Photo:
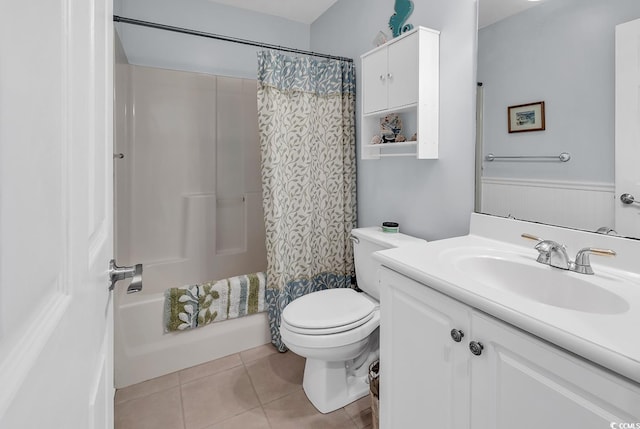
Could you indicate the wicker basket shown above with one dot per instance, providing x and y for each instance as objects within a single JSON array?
[{"x": 374, "y": 384}]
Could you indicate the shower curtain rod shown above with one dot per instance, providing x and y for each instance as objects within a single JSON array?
[{"x": 124, "y": 20}]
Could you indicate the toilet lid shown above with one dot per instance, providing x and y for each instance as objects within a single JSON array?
[{"x": 327, "y": 312}]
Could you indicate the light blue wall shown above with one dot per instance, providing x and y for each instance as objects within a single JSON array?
[
  {"x": 431, "y": 199},
  {"x": 562, "y": 53},
  {"x": 157, "y": 48}
]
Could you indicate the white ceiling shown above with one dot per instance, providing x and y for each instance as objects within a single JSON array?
[{"x": 307, "y": 11}]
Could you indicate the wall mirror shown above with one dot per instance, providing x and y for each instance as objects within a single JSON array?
[{"x": 561, "y": 52}]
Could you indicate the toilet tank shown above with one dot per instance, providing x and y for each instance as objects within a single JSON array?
[{"x": 367, "y": 241}]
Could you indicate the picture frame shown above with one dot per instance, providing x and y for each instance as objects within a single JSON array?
[{"x": 526, "y": 117}]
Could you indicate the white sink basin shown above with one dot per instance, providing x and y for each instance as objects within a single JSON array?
[{"x": 540, "y": 283}]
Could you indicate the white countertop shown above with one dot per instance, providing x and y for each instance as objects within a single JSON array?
[{"x": 610, "y": 340}]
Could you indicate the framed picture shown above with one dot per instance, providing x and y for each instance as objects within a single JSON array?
[{"x": 526, "y": 117}]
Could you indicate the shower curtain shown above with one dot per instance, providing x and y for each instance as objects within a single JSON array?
[{"x": 306, "y": 118}]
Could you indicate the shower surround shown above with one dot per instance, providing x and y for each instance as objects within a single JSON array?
[{"x": 188, "y": 204}]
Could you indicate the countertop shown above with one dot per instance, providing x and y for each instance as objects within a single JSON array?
[{"x": 610, "y": 340}]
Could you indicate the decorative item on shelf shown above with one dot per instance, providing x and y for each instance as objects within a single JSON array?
[
  {"x": 403, "y": 9},
  {"x": 400, "y": 138},
  {"x": 414, "y": 137},
  {"x": 526, "y": 117},
  {"x": 392, "y": 227},
  {"x": 390, "y": 127},
  {"x": 376, "y": 139},
  {"x": 381, "y": 38}
]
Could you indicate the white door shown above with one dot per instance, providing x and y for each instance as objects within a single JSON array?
[
  {"x": 424, "y": 371},
  {"x": 374, "y": 81},
  {"x": 627, "y": 164},
  {"x": 518, "y": 381},
  {"x": 55, "y": 214},
  {"x": 403, "y": 71}
]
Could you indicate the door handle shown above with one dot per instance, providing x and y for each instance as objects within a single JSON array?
[
  {"x": 628, "y": 199},
  {"x": 120, "y": 273}
]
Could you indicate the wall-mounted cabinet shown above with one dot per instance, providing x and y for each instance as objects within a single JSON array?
[{"x": 402, "y": 77}]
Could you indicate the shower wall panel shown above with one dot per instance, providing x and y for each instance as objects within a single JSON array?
[
  {"x": 121, "y": 167},
  {"x": 195, "y": 200}
]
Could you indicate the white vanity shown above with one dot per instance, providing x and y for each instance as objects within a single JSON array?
[{"x": 476, "y": 334}]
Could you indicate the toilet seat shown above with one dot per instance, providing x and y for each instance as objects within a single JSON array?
[
  {"x": 326, "y": 312},
  {"x": 332, "y": 329}
]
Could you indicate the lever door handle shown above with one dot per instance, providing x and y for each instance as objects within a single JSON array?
[{"x": 120, "y": 273}]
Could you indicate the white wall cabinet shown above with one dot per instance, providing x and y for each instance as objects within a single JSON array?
[
  {"x": 390, "y": 75},
  {"x": 402, "y": 76},
  {"x": 428, "y": 379}
]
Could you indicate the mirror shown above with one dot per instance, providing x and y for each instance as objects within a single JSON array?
[{"x": 561, "y": 52}]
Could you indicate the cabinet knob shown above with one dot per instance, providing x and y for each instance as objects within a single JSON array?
[
  {"x": 456, "y": 335},
  {"x": 476, "y": 348},
  {"x": 381, "y": 77},
  {"x": 389, "y": 75}
]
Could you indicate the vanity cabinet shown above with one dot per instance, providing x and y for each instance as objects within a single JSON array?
[
  {"x": 427, "y": 379},
  {"x": 402, "y": 77},
  {"x": 424, "y": 372}
]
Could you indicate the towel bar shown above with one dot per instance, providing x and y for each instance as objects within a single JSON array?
[{"x": 563, "y": 157}]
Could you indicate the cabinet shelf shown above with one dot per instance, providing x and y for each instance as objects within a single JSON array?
[
  {"x": 376, "y": 151},
  {"x": 390, "y": 145}
]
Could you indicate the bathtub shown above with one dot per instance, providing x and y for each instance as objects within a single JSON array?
[{"x": 143, "y": 351}]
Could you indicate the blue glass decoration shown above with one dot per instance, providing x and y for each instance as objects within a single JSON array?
[{"x": 403, "y": 9}]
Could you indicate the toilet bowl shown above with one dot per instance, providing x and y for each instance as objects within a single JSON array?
[{"x": 336, "y": 330}]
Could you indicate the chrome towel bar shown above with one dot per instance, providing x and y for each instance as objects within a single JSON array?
[{"x": 563, "y": 157}]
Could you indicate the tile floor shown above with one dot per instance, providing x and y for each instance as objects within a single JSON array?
[{"x": 256, "y": 389}]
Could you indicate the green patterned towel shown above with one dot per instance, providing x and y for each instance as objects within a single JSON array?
[{"x": 188, "y": 307}]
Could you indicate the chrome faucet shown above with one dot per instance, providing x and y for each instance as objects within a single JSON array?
[
  {"x": 582, "y": 264},
  {"x": 555, "y": 254}
]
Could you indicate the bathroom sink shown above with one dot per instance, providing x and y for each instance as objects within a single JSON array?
[{"x": 540, "y": 283}]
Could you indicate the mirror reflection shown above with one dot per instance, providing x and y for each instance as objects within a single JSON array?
[{"x": 562, "y": 53}]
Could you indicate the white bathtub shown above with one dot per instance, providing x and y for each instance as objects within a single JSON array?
[{"x": 142, "y": 351}]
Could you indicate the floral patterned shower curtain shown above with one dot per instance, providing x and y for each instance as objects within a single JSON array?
[{"x": 306, "y": 118}]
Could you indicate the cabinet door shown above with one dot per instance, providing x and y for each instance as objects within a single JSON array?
[
  {"x": 403, "y": 72},
  {"x": 424, "y": 374},
  {"x": 522, "y": 382},
  {"x": 374, "y": 81}
]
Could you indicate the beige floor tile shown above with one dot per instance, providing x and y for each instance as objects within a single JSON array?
[
  {"x": 162, "y": 410},
  {"x": 256, "y": 353},
  {"x": 252, "y": 419},
  {"x": 294, "y": 411},
  {"x": 360, "y": 411},
  {"x": 215, "y": 398},
  {"x": 276, "y": 375},
  {"x": 147, "y": 387},
  {"x": 210, "y": 368}
]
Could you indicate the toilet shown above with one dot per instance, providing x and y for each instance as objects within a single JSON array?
[{"x": 336, "y": 330}]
